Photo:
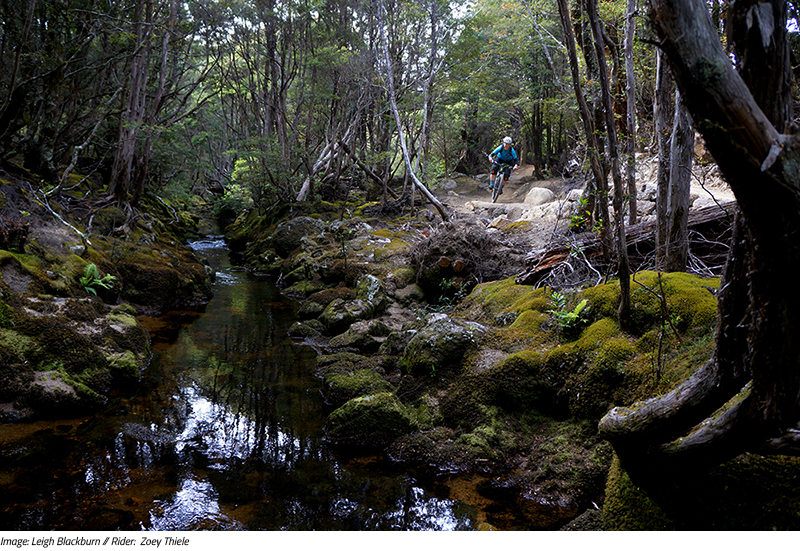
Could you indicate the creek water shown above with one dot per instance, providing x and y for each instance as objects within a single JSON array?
[{"x": 224, "y": 432}]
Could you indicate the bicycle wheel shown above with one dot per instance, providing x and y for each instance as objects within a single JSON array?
[{"x": 498, "y": 185}]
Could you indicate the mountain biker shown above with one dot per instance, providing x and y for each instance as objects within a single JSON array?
[{"x": 504, "y": 154}]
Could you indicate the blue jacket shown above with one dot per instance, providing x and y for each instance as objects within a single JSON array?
[{"x": 501, "y": 155}]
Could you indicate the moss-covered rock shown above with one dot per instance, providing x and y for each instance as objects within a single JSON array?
[
  {"x": 371, "y": 289},
  {"x": 366, "y": 336},
  {"x": 690, "y": 301},
  {"x": 371, "y": 421},
  {"x": 288, "y": 235},
  {"x": 341, "y": 314},
  {"x": 439, "y": 345},
  {"x": 488, "y": 300},
  {"x": 338, "y": 388}
]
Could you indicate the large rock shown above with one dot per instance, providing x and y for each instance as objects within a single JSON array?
[
  {"x": 539, "y": 196},
  {"x": 440, "y": 344},
  {"x": 339, "y": 388},
  {"x": 288, "y": 235},
  {"x": 365, "y": 335},
  {"x": 372, "y": 421},
  {"x": 371, "y": 289},
  {"x": 341, "y": 314}
]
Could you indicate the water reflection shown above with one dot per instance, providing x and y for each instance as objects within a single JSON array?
[{"x": 225, "y": 433}]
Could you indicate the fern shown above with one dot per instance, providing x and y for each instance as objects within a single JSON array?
[{"x": 92, "y": 279}]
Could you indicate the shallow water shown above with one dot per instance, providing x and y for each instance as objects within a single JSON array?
[{"x": 224, "y": 432}]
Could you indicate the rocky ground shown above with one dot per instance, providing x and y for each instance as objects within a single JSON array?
[{"x": 431, "y": 352}]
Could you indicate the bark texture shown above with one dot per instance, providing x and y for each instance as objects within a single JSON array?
[{"x": 754, "y": 370}]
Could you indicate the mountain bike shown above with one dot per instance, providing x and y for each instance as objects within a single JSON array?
[{"x": 499, "y": 180}]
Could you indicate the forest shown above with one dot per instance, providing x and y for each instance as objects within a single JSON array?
[{"x": 260, "y": 106}]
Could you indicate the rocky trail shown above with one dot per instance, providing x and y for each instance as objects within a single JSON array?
[{"x": 534, "y": 215}]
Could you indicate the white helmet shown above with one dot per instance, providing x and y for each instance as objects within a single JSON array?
[{"x": 507, "y": 139}]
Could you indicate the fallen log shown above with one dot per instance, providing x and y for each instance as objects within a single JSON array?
[{"x": 707, "y": 229}]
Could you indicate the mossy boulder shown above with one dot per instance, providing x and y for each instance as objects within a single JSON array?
[
  {"x": 367, "y": 336},
  {"x": 159, "y": 281},
  {"x": 338, "y": 388},
  {"x": 520, "y": 383},
  {"x": 306, "y": 329},
  {"x": 341, "y": 314},
  {"x": 288, "y": 235},
  {"x": 488, "y": 301},
  {"x": 691, "y": 303},
  {"x": 439, "y": 345},
  {"x": 371, "y": 421},
  {"x": 371, "y": 289}
]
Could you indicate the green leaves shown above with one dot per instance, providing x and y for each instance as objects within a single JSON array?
[{"x": 92, "y": 279}]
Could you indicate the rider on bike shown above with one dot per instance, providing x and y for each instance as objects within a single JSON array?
[{"x": 503, "y": 155}]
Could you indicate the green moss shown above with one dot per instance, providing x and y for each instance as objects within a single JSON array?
[
  {"x": 124, "y": 366},
  {"x": 6, "y": 315},
  {"x": 489, "y": 441},
  {"x": 15, "y": 344},
  {"x": 372, "y": 421},
  {"x": 341, "y": 387},
  {"x": 628, "y": 508},
  {"x": 487, "y": 300},
  {"x": 531, "y": 321},
  {"x": 597, "y": 333},
  {"x": 394, "y": 247},
  {"x": 518, "y": 226},
  {"x": 120, "y": 318},
  {"x": 614, "y": 352},
  {"x": 359, "y": 211},
  {"x": 403, "y": 276},
  {"x": 690, "y": 303}
]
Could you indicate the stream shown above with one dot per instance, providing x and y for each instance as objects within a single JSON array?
[{"x": 224, "y": 432}]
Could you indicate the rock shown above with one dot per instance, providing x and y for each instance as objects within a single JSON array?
[
  {"x": 339, "y": 388},
  {"x": 372, "y": 421},
  {"x": 364, "y": 335},
  {"x": 371, "y": 289},
  {"x": 289, "y": 235},
  {"x": 409, "y": 294},
  {"x": 539, "y": 196},
  {"x": 574, "y": 195},
  {"x": 305, "y": 329},
  {"x": 439, "y": 345},
  {"x": 341, "y": 314}
]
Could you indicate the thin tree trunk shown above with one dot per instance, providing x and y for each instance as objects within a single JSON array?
[
  {"x": 680, "y": 175},
  {"x": 592, "y": 142},
  {"x": 630, "y": 92},
  {"x": 613, "y": 154},
  {"x": 661, "y": 111},
  {"x": 400, "y": 136}
]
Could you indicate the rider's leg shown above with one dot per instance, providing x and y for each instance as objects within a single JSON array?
[{"x": 493, "y": 174}]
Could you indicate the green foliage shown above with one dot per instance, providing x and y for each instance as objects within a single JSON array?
[
  {"x": 567, "y": 319},
  {"x": 92, "y": 279}
]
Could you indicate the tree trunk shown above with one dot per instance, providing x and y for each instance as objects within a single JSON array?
[
  {"x": 756, "y": 332},
  {"x": 123, "y": 174},
  {"x": 400, "y": 135},
  {"x": 661, "y": 111},
  {"x": 681, "y": 153},
  {"x": 630, "y": 94},
  {"x": 623, "y": 271},
  {"x": 600, "y": 183}
]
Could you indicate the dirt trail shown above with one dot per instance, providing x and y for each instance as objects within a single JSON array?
[{"x": 471, "y": 199}]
